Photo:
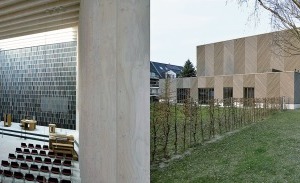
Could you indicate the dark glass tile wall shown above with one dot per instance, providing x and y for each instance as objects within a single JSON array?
[{"x": 40, "y": 82}]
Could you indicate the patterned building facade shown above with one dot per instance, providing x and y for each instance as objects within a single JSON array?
[
  {"x": 40, "y": 82},
  {"x": 243, "y": 68}
]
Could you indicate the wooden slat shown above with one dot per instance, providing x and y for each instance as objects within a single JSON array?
[
  {"x": 23, "y": 5},
  {"x": 6, "y": 3},
  {"x": 273, "y": 85},
  {"x": 62, "y": 145},
  {"x": 57, "y": 19},
  {"x": 277, "y": 61},
  {"x": 209, "y": 60},
  {"x": 260, "y": 89},
  {"x": 228, "y": 66},
  {"x": 218, "y": 87},
  {"x": 228, "y": 81},
  {"x": 41, "y": 15},
  {"x": 201, "y": 82},
  {"x": 263, "y": 53},
  {"x": 201, "y": 61},
  {"x": 194, "y": 88},
  {"x": 287, "y": 85},
  {"x": 38, "y": 9},
  {"x": 27, "y": 17},
  {"x": 239, "y": 56},
  {"x": 218, "y": 58},
  {"x": 38, "y": 29},
  {"x": 238, "y": 86},
  {"x": 291, "y": 63},
  {"x": 251, "y": 54},
  {"x": 254, "y": 54},
  {"x": 210, "y": 82},
  {"x": 249, "y": 80}
]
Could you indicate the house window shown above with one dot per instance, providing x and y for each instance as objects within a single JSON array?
[
  {"x": 182, "y": 94},
  {"x": 205, "y": 95},
  {"x": 248, "y": 92},
  {"x": 227, "y": 92},
  {"x": 227, "y": 95}
]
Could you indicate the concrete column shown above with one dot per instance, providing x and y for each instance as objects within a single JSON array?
[{"x": 114, "y": 91}]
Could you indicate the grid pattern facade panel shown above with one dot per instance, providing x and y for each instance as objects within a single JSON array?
[
  {"x": 209, "y": 60},
  {"x": 40, "y": 81},
  {"x": 218, "y": 86},
  {"x": 183, "y": 94},
  {"x": 251, "y": 54},
  {"x": 201, "y": 61},
  {"x": 219, "y": 58},
  {"x": 273, "y": 85},
  {"x": 264, "y": 53},
  {"x": 228, "y": 65},
  {"x": 289, "y": 86},
  {"x": 260, "y": 85},
  {"x": 239, "y": 56}
]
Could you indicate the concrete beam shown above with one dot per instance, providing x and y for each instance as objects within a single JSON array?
[
  {"x": 23, "y": 5},
  {"x": 37, "y": 9},
  {"x": 41, "y": 15},
  {"x": 39, "y": 30},
  {"x": 54, "y": 19}
]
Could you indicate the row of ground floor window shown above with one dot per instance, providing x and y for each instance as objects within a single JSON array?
[
  {"x": 207, "y": 94},
  {"x": 202, "y": 89}
]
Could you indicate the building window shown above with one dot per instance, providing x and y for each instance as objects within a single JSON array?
[
  {"x": 205, "y": 95},
  {"x": 227, "y": 95},
  {"x": 248, "y": 92},
  {"x": 153, "y": 92},
  {"x": 227, "y": 92},
  {"x": 182, "y": 94},
  {"x": 154, "y": 83}
]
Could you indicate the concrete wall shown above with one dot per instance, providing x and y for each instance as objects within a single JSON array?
[{"x": 114, "y": 104}]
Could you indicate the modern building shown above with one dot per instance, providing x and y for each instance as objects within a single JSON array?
[
  {"x": 242, "y": 68},
  {"x": 112, "y": 79},
  {"x": 154, "y": 86},
  {"x": 160, "y": 71}
]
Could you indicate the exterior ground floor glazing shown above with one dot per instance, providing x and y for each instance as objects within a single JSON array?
[{"x": 285, "y": 85}]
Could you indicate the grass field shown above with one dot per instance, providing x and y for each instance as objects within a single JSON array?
[
  {"x": 174, "y": 128},
  {"x": 268, "y": 151}
]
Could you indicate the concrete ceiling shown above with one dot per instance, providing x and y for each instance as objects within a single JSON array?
[{"x": 23, "y": 17}]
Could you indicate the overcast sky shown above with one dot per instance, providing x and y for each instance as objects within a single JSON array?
[{"x": 178, "y": 26}]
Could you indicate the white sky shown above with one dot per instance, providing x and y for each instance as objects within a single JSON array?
[{"x": 178, "y": 26}]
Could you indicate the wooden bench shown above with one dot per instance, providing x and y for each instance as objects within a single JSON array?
[
  {"x": 62, "y": 145},
  {"x": 63, "y": 148}
]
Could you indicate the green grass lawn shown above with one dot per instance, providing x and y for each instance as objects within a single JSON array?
[{"x": 268, "y": 151}]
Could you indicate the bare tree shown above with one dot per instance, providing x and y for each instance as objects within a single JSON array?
[{"x": 285, "y": 19}]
